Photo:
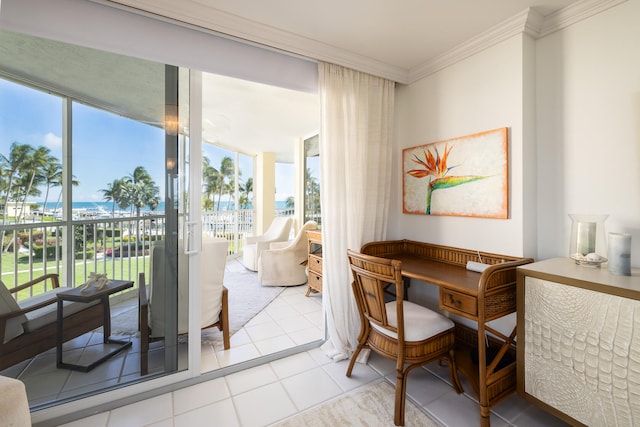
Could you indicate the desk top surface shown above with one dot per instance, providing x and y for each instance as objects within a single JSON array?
[{"x": 439, "y": 273}]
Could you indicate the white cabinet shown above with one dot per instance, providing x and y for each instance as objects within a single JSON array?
[{"x": 578, "y": 353}]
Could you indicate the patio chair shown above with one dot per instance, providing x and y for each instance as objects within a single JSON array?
[
  {"x": 284, "y": 263},
  {"x": 254, "y": 245},
  {"x": 407, "y": 333},
  {"x": 28, "y": 326},
  {"x": 213, "y": 295}
]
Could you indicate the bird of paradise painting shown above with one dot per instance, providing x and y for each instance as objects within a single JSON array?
[{"x": 465, "y": 176}]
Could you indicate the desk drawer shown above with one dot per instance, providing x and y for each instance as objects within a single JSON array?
[
  {"x": 315, "y": 281},
  {"x": 315, "y": 264},
  {"x": 458, "y": 302}
]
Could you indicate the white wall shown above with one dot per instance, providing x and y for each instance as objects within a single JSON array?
[
  {"x": 588, "y": 108},
  {"x": 481, "y": 93},
  {"x": 572, "y": 102}
]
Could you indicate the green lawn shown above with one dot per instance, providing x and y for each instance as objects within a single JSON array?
[{"x": 115, "y": 268}]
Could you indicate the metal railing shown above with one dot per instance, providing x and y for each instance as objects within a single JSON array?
[{"x": 117, "y": 247}]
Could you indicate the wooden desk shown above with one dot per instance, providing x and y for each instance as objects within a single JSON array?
[{"x": 480, "y": 297}]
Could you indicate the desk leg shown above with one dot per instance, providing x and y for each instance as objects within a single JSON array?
[{"x": 485, "y": 409}]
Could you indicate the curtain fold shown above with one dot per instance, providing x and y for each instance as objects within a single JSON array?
[{"x": 356, "y": 136}]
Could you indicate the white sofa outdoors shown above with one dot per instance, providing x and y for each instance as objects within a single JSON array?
[
  {"x": 283, "y": 264},
  {"x": 254, "y": 245}
]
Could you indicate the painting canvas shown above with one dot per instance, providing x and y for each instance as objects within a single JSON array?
[{"x": 465, "y": 176}]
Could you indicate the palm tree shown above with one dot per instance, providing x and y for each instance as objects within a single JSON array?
[
  {"x": 246, "y": 192},
  {"x": 143, "y": 190},
  {"x": 290, "y": 203},
  {"x": 114, "y": 194},
  {"x": 227, "y": 171},
  {"x": 33, "y": 174},
  {"x": 210, "y": 183},
  {"x": 13, "y": 165},
  {"x": 52, "y": 174},
  {"x": 75, "y": 183}
]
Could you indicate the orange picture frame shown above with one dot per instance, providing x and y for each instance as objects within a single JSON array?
[{"x": 464, "y": 176}]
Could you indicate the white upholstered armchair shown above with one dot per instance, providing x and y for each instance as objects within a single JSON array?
[
  {"x": 253, "y": 245},
  {"x": 283, "y": 264}
]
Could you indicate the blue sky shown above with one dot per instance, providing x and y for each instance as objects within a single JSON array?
[{"x": 105, "y": 146}]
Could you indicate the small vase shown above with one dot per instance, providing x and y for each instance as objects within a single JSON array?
[
  {"x": 619, "y": 254},
  {"x": 588, "y": 243}
]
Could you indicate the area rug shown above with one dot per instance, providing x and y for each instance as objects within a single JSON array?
[
  {"x": 370, "y": 407},
  {"x": 247, "y": 298}
]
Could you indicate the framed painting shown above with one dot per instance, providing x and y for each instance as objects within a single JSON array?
[{"x": 465, "y": 176}]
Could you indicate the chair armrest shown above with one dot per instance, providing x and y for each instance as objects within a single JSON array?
[
  {"x": 250, "y": 240},
  {"x": 278, "y": 245},
  {"x": 55, "y": 283}
]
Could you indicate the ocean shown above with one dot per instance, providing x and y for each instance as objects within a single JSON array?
[{"x": 107, "y": 206}]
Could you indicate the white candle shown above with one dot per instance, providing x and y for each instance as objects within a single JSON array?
[
  {"x": 586, "y": 237},
  {"x": 619, "y": 254}
]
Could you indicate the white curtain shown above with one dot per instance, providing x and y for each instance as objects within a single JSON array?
[{"x": 356, "y": 130}]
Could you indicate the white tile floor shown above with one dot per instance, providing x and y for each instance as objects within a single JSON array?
[
  {"x": 271, "y": 392},
  {"x": 277, "y": 390},
  {"x": 288, "y": 321}
]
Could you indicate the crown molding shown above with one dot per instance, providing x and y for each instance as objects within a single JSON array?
[
  {"x": 505, "y": 30},
  {"x": 195, "y": 14},
  {"x": 575, "y": 12},
  {"x": 528, "y": 22}
]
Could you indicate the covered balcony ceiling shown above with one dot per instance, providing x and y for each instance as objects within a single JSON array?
[{"x": 242, "y": 115}]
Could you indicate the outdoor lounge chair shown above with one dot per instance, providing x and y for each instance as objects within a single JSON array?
[
  {"x": 28, "y": 327},
  {"x": 213, "y": 296}
]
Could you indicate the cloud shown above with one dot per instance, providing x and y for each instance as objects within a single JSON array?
[{"x": 52, "y": 141}]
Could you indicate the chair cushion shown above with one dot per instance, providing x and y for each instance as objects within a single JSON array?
[
  {"x": 213, "y": 262},
  {"x": 9, "y": 305},
  {"x": 420, "y": 323},
  {"x": 48, "y": 314}
]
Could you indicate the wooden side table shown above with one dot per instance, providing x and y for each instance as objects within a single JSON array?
[
  {"x": 314, "y": 284},
  {"x": 85, "y": 296}
]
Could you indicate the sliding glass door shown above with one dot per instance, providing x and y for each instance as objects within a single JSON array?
[{"x": 93, "y": 153}]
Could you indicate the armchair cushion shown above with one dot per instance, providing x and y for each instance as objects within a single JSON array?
[
  {"x": 213, "y": 263},
  {"x": 9, "y": 305}
]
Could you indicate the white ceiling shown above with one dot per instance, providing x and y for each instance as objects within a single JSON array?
[{"x": 393, "y": 39}]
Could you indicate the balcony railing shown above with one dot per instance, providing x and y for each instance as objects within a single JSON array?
[{"x": 117, "y": 247}]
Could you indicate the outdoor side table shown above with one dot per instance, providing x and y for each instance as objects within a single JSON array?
[{"x": 88, "y": 295}]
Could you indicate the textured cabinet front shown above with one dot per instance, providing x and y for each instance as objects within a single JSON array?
[{"x": 582, "y": 352}]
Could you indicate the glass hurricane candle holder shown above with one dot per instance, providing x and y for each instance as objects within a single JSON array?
[{"x": 588, "y": 244}]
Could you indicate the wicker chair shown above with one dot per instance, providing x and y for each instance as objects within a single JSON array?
[{"x": 399, "y": 330}]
